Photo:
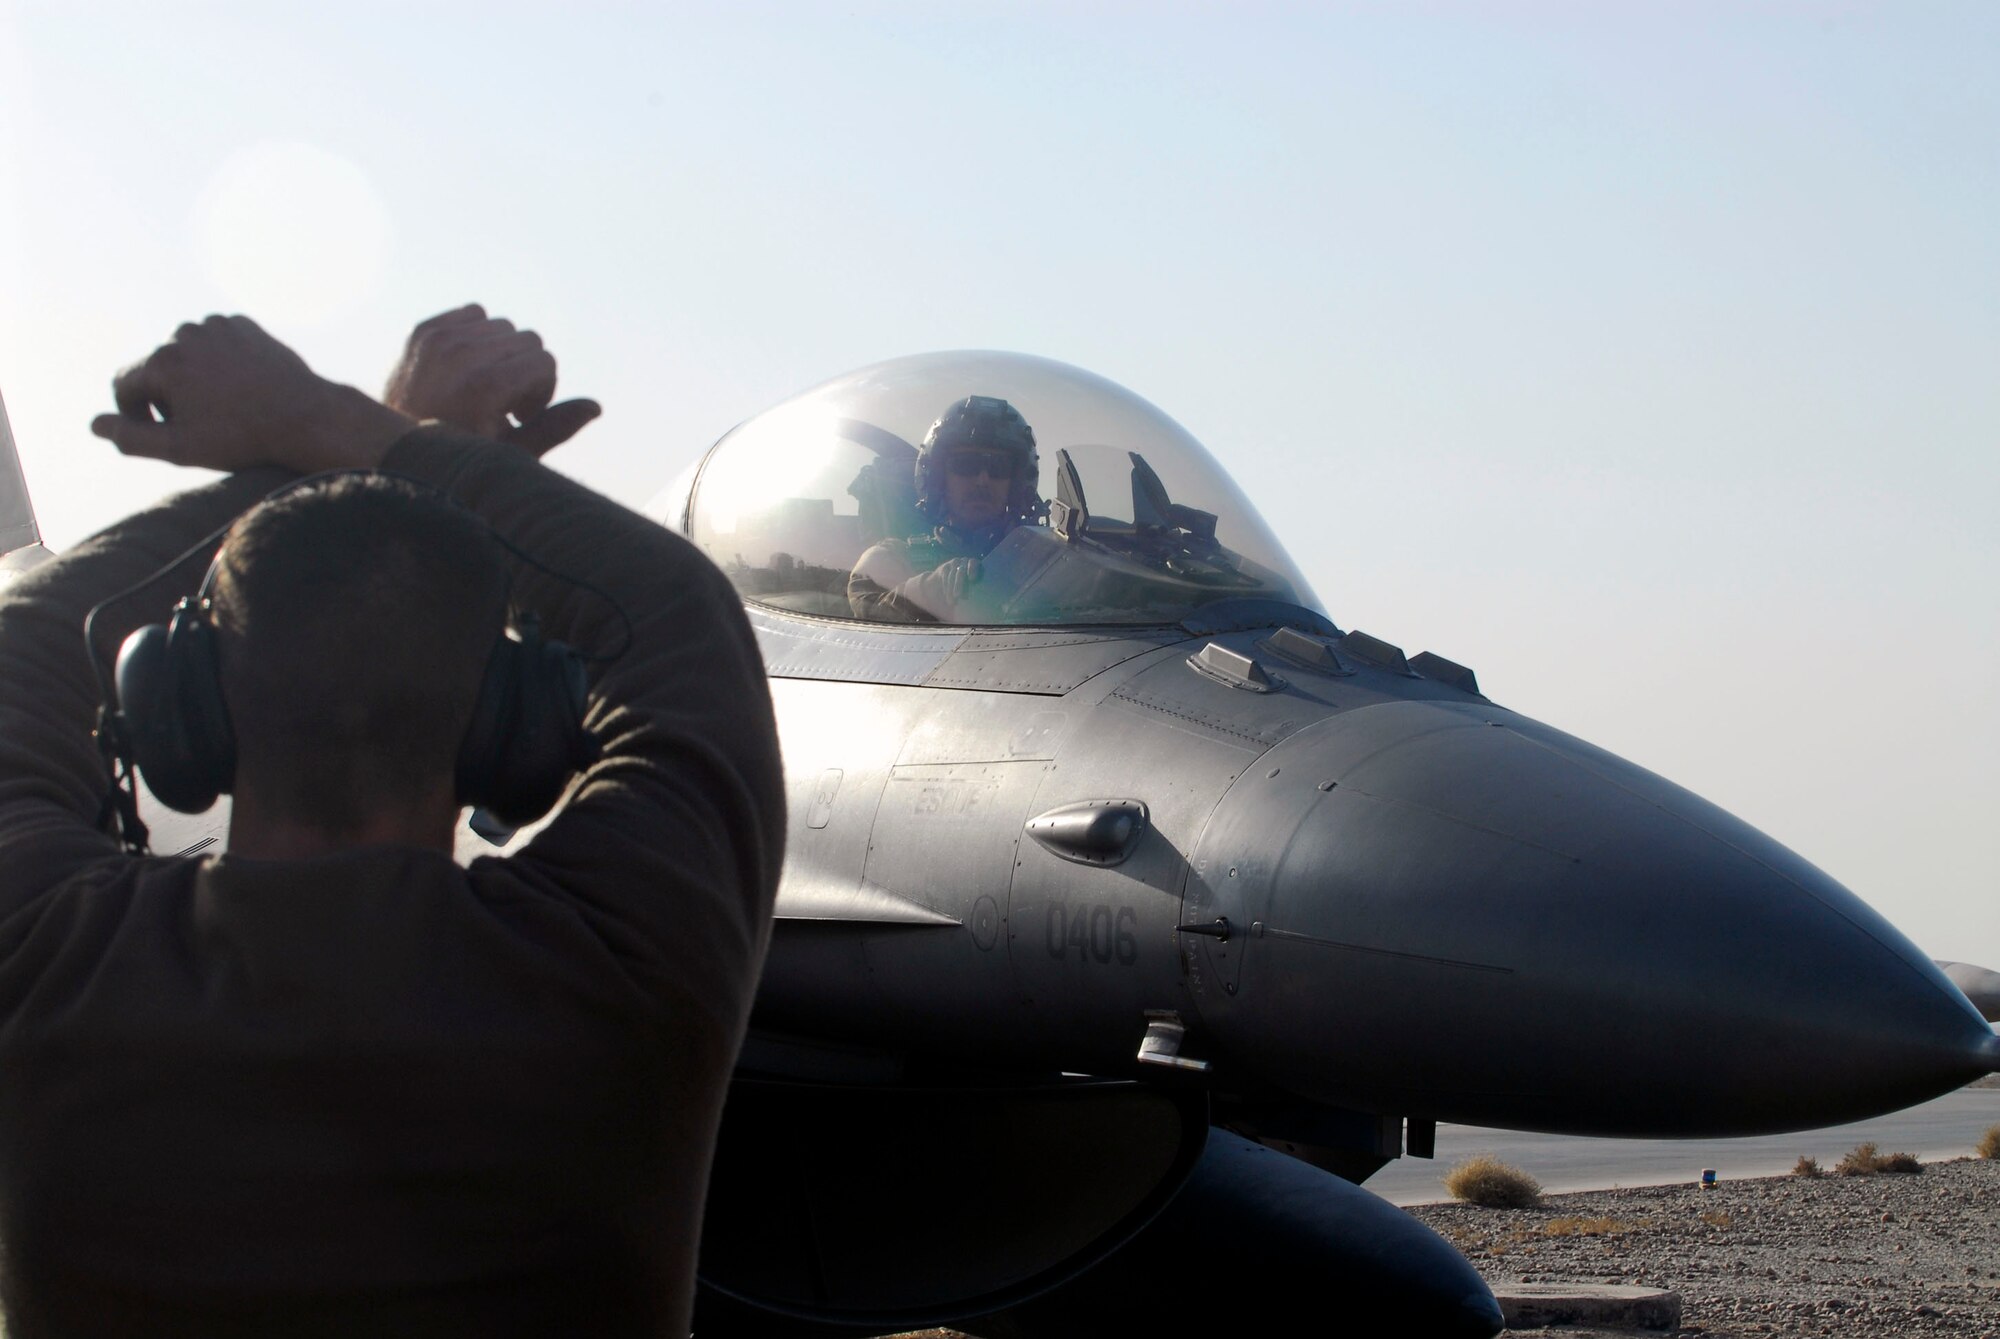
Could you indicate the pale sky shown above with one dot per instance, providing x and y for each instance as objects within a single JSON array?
[{"x": 1645, "y": 358}]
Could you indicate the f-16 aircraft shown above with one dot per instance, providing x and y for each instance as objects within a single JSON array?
[
  {"x": 1134, "y": 912},
  {"x": 1113, "y": 860}
]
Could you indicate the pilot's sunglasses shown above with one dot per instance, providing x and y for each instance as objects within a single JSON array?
[{"x": 992, "y": 464}]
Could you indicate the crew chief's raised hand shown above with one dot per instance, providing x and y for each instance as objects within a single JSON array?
[
  {"x": 225, "y": 395},
  {"x": 479, "y": 373}
]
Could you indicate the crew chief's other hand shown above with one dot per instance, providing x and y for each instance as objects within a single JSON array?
[
  {"x": 224, "y": 395},
  {"x": 479, "y": 373}
]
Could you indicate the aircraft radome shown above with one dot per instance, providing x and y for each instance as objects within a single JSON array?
[{"x": 1133, "y": 913}]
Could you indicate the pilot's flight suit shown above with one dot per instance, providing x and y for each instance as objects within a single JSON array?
[
  {"x": 925, "y": 579},
  {"x": 378, "y": 1093}
]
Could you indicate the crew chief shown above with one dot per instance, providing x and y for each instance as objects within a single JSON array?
[{"x": 331, "y": 1082}]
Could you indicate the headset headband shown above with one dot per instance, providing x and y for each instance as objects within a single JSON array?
[{"x": 161, "y": 712}]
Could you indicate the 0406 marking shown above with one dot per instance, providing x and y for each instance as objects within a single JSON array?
[{"x": 1094, "y": 931}]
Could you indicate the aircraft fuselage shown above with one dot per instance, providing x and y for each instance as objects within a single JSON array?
[{"x": 1354, "y": 886}]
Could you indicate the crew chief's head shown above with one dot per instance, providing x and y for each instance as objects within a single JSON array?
[{"x": 354, "y": 620}]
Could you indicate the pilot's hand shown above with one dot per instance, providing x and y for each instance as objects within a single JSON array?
[
  {"x": 956, "y": 574},
  {"x": 479, "y": 373},
  {"x": 939, "y": 591},
  {"x": 225, "y": 395}
]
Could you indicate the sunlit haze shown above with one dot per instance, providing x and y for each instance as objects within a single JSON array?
[{"x": 1643, "y": 357}]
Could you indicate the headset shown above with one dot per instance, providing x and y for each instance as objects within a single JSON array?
[{"x": 167, "y": 717}]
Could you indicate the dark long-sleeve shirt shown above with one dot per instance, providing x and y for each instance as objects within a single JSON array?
[{"x": 377, "y": 1092}]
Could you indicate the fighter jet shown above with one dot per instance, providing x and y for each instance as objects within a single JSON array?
[
  {"x": 1119, "y": 877},
  {"x": 1134, "y": 912}
]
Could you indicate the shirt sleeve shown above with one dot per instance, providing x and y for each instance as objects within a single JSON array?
[
  {"x": 884, "y": 587},
  {"x": 670, "y": 845},
  {"x": 52, "y": 778}
]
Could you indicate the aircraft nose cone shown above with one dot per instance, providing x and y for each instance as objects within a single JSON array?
[{"x": 1456, "y": 912}]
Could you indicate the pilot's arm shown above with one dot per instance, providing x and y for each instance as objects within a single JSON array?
[{"x": 885, "y": 587}]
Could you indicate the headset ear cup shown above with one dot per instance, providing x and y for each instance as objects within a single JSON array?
[
  {"x": 545, "y": 753},
  {"x": 567, "y": 693},
  {"x": 480, "y": 753},
  {"x": 141, "y": 678},
  {"x": 169, "y": 682},
  {"x": 526, "y": 738}
]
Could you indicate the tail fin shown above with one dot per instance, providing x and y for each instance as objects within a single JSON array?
[{"x": 20, "y": 538}]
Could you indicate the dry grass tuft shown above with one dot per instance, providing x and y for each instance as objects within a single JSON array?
[
  {"x": 1717, "y": 1218},
  {"x": 1989, "y": 1144},
  {"x": 1587, "y": 1227},
  {"x": 1863, "y": 1160},
  {"x": 1492, "y": 1184},
  {"x": 1807, "y": 1166}
]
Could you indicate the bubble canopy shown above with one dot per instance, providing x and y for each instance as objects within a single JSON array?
[{"x": 813, "y": 506}]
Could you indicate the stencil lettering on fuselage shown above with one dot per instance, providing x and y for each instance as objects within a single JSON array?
[{"x": 946, "y": 833}]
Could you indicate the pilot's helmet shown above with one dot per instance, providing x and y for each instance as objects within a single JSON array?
[{"x": 989, "y": 423}]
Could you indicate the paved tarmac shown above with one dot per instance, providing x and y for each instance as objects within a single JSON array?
[{"x": 1948, "y": 1127}]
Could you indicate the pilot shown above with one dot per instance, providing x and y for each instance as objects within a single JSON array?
[
  {"x": 976, "y": 474},
  {"x": 331, "y": 1082}
]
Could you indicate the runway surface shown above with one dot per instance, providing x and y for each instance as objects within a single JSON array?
[{"x": 1949, "y": 1126}]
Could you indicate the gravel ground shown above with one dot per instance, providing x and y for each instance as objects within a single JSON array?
[
  {"x": 1783, "y": 1256},
  {"x": 1875, "y": 1255}
]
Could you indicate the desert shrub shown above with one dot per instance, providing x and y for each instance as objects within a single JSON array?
[
  {"x": 1488, "y": 1182},
  {"x": 1807, "y": 1165},
  {"x": 1863, "y": 1160},
  {"x": 1717, "y": 1218},
  {"x": 1989, "y": 1143},
  {"x": 1859, "y": 1161}
]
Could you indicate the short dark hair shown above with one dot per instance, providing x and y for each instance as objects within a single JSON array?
[{"x": 355, "y": 618}]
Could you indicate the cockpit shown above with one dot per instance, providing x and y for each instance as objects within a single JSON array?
[{"x": 856, "y": 500}]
